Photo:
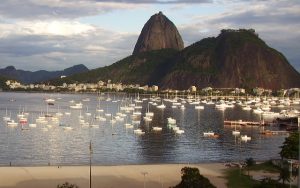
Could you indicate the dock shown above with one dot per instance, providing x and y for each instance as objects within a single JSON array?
[
  {"x": 245, "y": 123},
  {"x": 269, "y": 132}
]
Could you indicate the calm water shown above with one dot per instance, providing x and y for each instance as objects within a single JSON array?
[{"x": 114, "y": 144}]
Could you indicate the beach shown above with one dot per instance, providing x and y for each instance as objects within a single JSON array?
[{"x": 125, "y": 176}]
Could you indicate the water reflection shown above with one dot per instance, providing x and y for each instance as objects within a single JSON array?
[{"x": 113, "y": 143}]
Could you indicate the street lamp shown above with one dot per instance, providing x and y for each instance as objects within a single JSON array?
[
  {"x": 144, "y": 173},
  {"x": 240, "y": 145},
  {"x": 298, "y": 156},
  {"x": 91, "y": 151},
  {"x": 291, "y": 169}
]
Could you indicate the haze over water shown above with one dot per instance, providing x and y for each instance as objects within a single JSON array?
[{"x": 113, "y": 144}]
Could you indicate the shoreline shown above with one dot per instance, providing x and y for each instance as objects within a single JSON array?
[
  {"x": 116, "y": 164},
  {"x": 129, "y": 176}
]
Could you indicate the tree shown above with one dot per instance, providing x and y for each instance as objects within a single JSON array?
[
  {"x": 191, "y": 178},
  {"x": 249, "y": 162},
  {"x": 290, "y": 147},
  {"x": 284, "y": 175},
  {"x": 67, "y": 185}
]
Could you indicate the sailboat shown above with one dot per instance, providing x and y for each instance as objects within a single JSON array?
[
  {"x": 93, "y": 125},
  {"x": 235, "y": 132},
  {"x": 138, "y": 131},
  {"x": 128, "y": 125},
  {"x": 6, "y": 117},
  {"x": 157, "y": 128},
  {"x": 77, "y": 106},
  {"x": 245, "y": 138},
  {"x": 58, "y": 113},
  {"x": 87, "y": 113},
  {"x": 208, "y": 134},
  {"x": 99, "y": 109},
  {"x": 47, "y": 112},
  {"x": 67, "y": 128},
  {"x": 12, "y": 123},
  {"x": 137, "y": 100},
  {"x": 199, "y": 107},
  {"x": 32, "y": 125},
  {"x": 148, "y": 116},
  {"x": 162, "y": 106},
  {"x": 23, "y": 127}
]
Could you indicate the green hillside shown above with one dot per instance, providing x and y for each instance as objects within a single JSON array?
[
  {"x": 142, "y": 68},
  {"x": 235, "y": 58}
]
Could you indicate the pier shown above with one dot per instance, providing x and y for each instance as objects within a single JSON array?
[
  {"x": 269, "y": 132},
  {"x": 245, "y": 123}
]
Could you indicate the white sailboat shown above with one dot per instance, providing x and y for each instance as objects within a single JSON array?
[
  {"x": 6, "y": 117},
  {"x": 171, "y": 121},
  {"x": 148, "y": 113},
  {"x": 161, "y": 106},
  {"x": 12, "y": 123},
  {"x": 58, "y": 113},
  {"x": 235, "y": 132},
  {"x": 245, "y": 138},
  {"x": 199, "y": 107},
  {"x": 77, "y": 106},
  {"x": 87, "y": 113},
  {"x": 157, "y": 128},
  {"x": 208, "y": 133},
  {"x": 138, "y": 131}
]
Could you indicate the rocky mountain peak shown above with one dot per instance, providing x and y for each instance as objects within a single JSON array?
[{"x": 158, "y": 33}]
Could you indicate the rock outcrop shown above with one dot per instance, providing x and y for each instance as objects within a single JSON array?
[
  {"x": 236, "y": 58},
  {"x": 158, "y": 33}
]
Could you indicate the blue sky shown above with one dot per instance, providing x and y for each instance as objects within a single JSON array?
[{"x": 56, "y": 34}]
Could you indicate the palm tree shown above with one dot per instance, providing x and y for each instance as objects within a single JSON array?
[
  {"x": 191, "y": 178},
  {"x": 284, "y": 175},
  {"x": 249, "y": 162}
]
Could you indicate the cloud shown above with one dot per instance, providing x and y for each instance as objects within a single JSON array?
[
  {"x": 54, "y": 45},
  {"x": 158, "y": 1},
  {"x": 50, "y": 28},
  {"x": 71, "y": 9},
  {"x": 57, "y": 9}
]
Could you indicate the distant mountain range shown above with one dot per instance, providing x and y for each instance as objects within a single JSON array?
[{"x": 28, "y": 77}]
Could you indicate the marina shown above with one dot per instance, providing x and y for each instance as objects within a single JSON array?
[
  {"x": 244, "y": 123},
  {"x": 134, "y": 129}
]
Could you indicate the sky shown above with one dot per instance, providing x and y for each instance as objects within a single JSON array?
[{"x": 57, "y": 34}]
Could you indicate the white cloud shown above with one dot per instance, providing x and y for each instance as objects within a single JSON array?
[
  {"x": 57, "y": 27},
  {"x": 95, "y": 48},
  {"x": 57, "y": 45},
  {"x": 71, "y": 9},
  {"x": 57, "y": 9},
  {"x": 63, "y": 28}
]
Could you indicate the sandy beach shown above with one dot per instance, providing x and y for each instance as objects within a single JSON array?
[{"x": 127, "y": 176}]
